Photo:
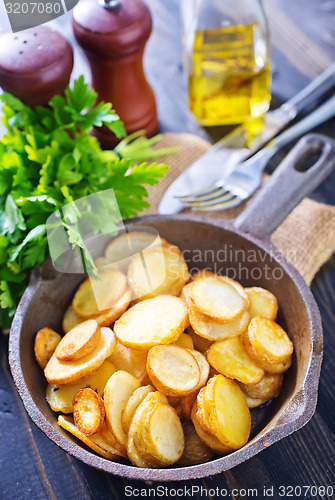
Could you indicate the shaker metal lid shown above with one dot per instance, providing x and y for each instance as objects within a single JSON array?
[
  {"x": 110, "y": 16},
  {"x": 31, "y": 50}
]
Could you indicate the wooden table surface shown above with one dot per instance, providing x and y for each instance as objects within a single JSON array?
[{"x": 32, "y": 467}]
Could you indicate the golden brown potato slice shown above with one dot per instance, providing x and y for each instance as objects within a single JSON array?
[
  {"x": 110, "y": 439},
  {"x": 185, "y": 341},
  {"x": 157, "y": 271},
  {"x": 106, "y": 318},
  {"x": 79, "y": 341},
  {"x": 70, "y": 319},
  {"x": 230, "y": 358},
  {"x": 123, "y": 248},
  {"x": 214, "y": 330},
  {"x": 173, "y": 370},
  {"x": 202, "y": 413},
  {"x": 185, "y": 294},
  {"x": 134, "y": 401},
  {"x": 88, "y": 411},
  {"x": 66, "y": 422},
  {"x": 46, "y": 341},
  {"x": 100, "y": 441},
  {"x": 280, "y": 367},
  {"x": 195, "y": 450},
  {"x": 67, "y": 372},
  {"x": 136, "y": 428},
  {"x": 209, "y": 440},
  {"x": 200, "y": 344},
  {"x": 118, "y": 390},
  {"x": 160, "y": 320},
  {"x": 228, "y": 413},
  {"x": 269, "y": 387},
  {"x": 60, "y": 397},
  {"x": 203, "y": 366},
  {"x": 94, "y": 296},
  {"x": 186, "y": 405},
  {"x": 162, "y": 437},
  {"x": 219, "y": 298},
  {"x": 262, "y": 303},
  {"x": 132, "y": 361},
  {"x": 267, "y": 343},
  {"x": 253, "y": 402}
]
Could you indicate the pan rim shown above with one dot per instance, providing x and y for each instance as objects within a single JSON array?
[{"x": 279, "y": 427}]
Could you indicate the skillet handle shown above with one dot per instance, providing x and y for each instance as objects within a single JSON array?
[{"x": 288, "y": 186}]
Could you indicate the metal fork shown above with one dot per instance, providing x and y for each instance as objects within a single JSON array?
[{"x": 246, "y": 177}]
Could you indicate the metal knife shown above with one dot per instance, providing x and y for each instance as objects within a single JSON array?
[{"x": 221, "y": 158}]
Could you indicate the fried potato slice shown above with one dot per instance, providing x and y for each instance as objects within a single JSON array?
[
  {"x": 46, "y": 341},
  {"x": 185, "y": 341},
  {"x": 160, "y": 320},
  {"x": 228, "y": 413},
  {"x": 209, "y": 440},
  {"x": 132, "y": 361},
  {"x": 230, "y": 358},
  {"x": 254, "y": 402},
  {"x": 78, "y": 342},
  {"x": 280, "y": 367},
  {"x": 66, "y": 422},
  {"x": 262, "y": 303},
  {"x": 203, "y": 366},
  {"x": 202, "y": 413},
  {"x": 66, "y": 372},
  {"x": 267, "y": 343},
  {"x": 214, "y": 330},
  {"x": 162, "y": 436},
  {"x": 173, "y": 370},
  {"x": 99, "y": 439},
  {"x": 60, "y": 397},
  {"x": 157, "y": 271},
  {"x": 135, "y": 428},
  {"x": 219, "y": 298},
  {"x": 122, "y": 249},
  {"x": 94, "y": 296},
  {"x": 88, "y": 411},
  {"x": 118, "y": 390},
  {"x": 195, "y": 450},
  {"x": 185, "y": 294},
  {"x": 133, "y": 403},
  {"x": 71, "y": 319},
  {"x": 185, "y": 405},
  {"x": 268, "y": 388},
  {"x": 200, "y": 344}
]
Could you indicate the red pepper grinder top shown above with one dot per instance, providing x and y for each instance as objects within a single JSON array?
[
  {"x": 35, "y": 64},
  {"x": 113, "y": 34}
]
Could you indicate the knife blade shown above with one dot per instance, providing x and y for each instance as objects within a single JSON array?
[{"x": 242, "y": 143}]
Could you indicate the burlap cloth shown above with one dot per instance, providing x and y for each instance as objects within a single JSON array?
[{"x": 306, "y": 237}]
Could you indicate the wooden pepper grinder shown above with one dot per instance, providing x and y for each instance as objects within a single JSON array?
[
  {"x": 113, "y": 34},
  {"x": 35, "y": 64}
]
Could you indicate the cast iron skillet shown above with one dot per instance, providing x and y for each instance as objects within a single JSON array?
[{"x": 45, "y": 301}]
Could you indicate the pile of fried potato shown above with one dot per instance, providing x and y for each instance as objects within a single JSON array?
[{"x": 162, "y": 369}]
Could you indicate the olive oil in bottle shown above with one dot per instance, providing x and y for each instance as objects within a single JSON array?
[{"x": 229, "y": 77}]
